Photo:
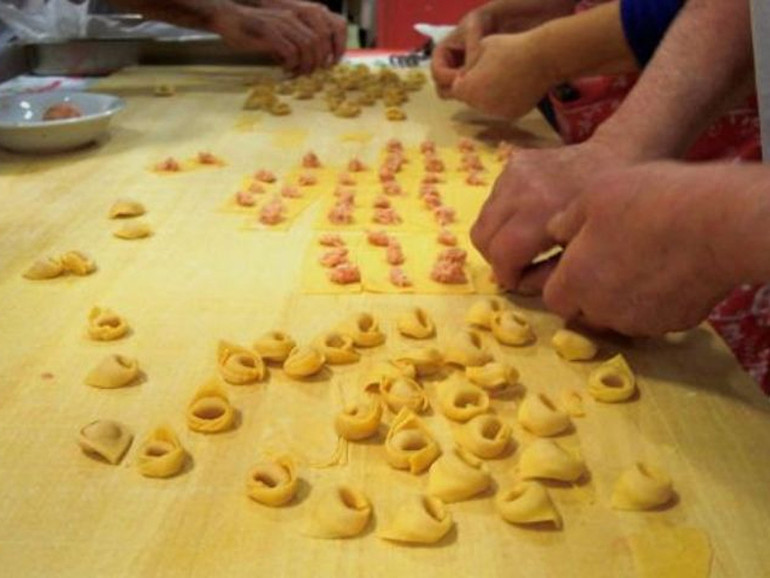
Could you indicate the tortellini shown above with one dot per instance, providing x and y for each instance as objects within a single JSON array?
[
  {"x": 493, "y": 376},
  {"x": 419, "y": 520},
  {"x": 416, "y": 323},
  {"x": 545, "y": 459},
  {"x": 106, "y": 325},
  {"x": 485, "y": 435},
  {"x": 572, "y": 346},
  {"x": 480, "y": 313},
  {"x": 210, "y": 410},
  {"x": 460, "y": 401},
  {"x": 572, "y": 402},
  {"x": 303, "y": 362},
  {"x": 426, "y": 361},
  {"x": 274, "y": 346},
  {"x": 337, "y": 348},
  {"x": 47, "y": 268},
  {"x": 466, "y": 348},
  {"x": 238, "y": 365},
  {"x": 113, "y": 371},
  {"x": 340, "y": 512},
  {"x": 511, "y": 328},
  {"x": 387, "y": 369},
  {"x": 642, "y": 487},
  {"x": 409, "y": 445},
  {"x": 402, "y": 391},
  {"x": 613, "y": 381},
  {"x": 133, "y": 230},
  {"x": 161, "y": 455},
  {"x": 106, "y": 439},
  {"x": 527, "y": 503},
  {"x": 273, "y": 483},
  {"x": 359, "y": 420},
  {"x": 395, "y": 113},
  {"x": 457, "y": 476},
  {"x": 77, "y": 263},
  {"x": 540, "y": 415},
  {"x": 364, "y": 329}
]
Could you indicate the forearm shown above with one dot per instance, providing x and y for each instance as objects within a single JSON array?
[
  {"x": 199, "y": 14},
  {"x": 703, "y": 61}
]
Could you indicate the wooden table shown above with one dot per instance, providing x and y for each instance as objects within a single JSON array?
[{"x": 202, "y": 278}]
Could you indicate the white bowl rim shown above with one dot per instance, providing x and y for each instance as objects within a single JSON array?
[{"x": 117, "y": 105}]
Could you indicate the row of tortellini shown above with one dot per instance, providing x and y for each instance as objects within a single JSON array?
[{"x": 72, "y": 262}]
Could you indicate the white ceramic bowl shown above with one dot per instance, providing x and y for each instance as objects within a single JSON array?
[{"x": 23, "y": 129}]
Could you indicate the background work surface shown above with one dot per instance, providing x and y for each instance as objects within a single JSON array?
[{"x": 202, "y": 278}]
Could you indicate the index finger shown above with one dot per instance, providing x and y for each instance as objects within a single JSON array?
[
  {"x": 315, "y": 20},
  {"x": 473, "y": 37}
]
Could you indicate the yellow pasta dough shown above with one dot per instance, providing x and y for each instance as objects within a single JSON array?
[
  {"x": 77, "y": 263},
  {"x": 210, "y": 410},
  {"x": 105, "y": 439},
  {"x": 340, "y": 512},
  {"x": 419, "y": 520},
  {"x": 238, "y": 365},
  {"x": 273, "y": 483},
  {"x": 106, "y": 325},
  {"x": 359, "y": 420},
  {"x": 545, "y": 459},
  {"x": 337, "y": 348},
  {"x": 303, "y": 361},
  {"x": 47, "y": 268},
  {"x": 613, "y": 381},
  {"x": 485, "y": 435},
  {"x": 539, "y": 414},
  {"x": 125, "y": 208},
  {"x": 416, "y": 323},
  {"x": 458, "y": 475},
  {"x": 461, "y": 401},
  {"x": 493, "y": 376},
  {"x": 133, "y": 230},
  {"x": 426, "y": 361},
  {"x": 572, "y": 402},
  {"x": 511, "y": 328},
  {"x": 527, "y": 503},
  {"x": 364, "y": 329},
  {"x": 113, "y": 371},
  {"x": 572, "y": 346},
  {"x": 642, "y": 487},
  {"x": 480, "y": 313},
  {"x": 409, "y": 445},
  {"x": 274, "y": 346},
  {"x": 161, "y": 455},
  {"x": 402, "y": 391},
  {"x": 465, "y": 348}
]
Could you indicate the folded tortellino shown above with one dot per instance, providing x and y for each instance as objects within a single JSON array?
[
  {"x": 493, "y": 376},
  {"x": 273, "y": 483},
  {"x": 210, "y": 410},
  {"x": 409, "y": 445},
  {"x": 527, "y": 503},
  {"x": 400, "y": 392},
  {"x": 238, "y": 365},
  {"x": 460, "y": 401},
  {"x": 572, "y": 346},
  {"x": 419, "y": 520},
  {"x": 485, "y": 435},
  {"x": 642, "y": 487},
  {"x": 337, "y": 348},
  {"x": 133, "y": 230},
  {"x": 113, "y": 371},
  {"x": 458, "y": 475},
  {"x": 364, "y": 329},
  {"x": 613, "y": 381},
  {"x": 106, "y": 325},
  {"x": 77, "y": 263},
  {"x": 425, "y": 360},
  {"x": 274, "y": 346},
  {"x": 572, "y": 402},
  {"x": 123, "y": 208},
  {"x": 387, "y": 369},
  {"x": 480, "y": 313},
  {"x": 161, "y": 455},
  {"x": 106, "y": 439},
  {"x": 340, "y": 512},
  {"x": 47, "y": 268},
  {"x": 416, "y": 323},
  {"x": 359, "y": 420},
  {"x": 545, "y": 459},
  {"x": 303, "y": 362},
  {"x": 511, "y": 328},
  {"x": 465, "y": 348},
  {"x": 539, "y": 414}
]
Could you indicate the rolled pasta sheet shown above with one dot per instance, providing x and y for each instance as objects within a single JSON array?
[
  {"x": 106, "y": 439},
  {"x": 409, "y": 444},
  {"x": 486, "y": 436},
  {"x": 359, "y": 420},
  {"x": 340, "y": 512},
  {"x": 106, "y": 325},
  {"x": 572, "y": 346},
  {"x": 364, "y": 329},
  {"x": 481, "y": 311},
  {"x": 400, "y": 392},
  {"x": 426, "y": 361},
  {"x": 419, "y": 520},
  {"x": 238, "y": 365},
  {"x": 458, "y": 475},
  {"x": 466, "y": 349},
  {"x": 527, "y": 503},
  {"x": 613, "y": 381},
  {"x": 643, "y": 486},
  {"x": 461, "y": 401},
  {"x": 77, "y": 263},
  {"x": 416, "y": 323},
  {"x": 273, "y": 483},
  {"x": 493, "y": 376},
  {"x": 210, "y": 410},
  {"x": 539, "y": 414},
  {"x": 511, "y": 328},
  {"x": 274, "y": 346},
  {"x": 47, "y": 268},
  {"x": 113, "y": 371},
  {"x": 303, "y": 361},
  {"x": 547, "y": 460},
  {"x": 126, "y": 208},
  {"x": 337, "y": 348},
  {"x": 161, "y": 455}
]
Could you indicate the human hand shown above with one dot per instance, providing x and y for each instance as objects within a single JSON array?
[{"x": 643, "y": 250}]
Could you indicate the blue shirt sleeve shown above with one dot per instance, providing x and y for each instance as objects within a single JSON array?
[{"x": 645, "y": 23}]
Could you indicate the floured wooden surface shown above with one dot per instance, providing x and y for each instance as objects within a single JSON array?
[{"x": 201, "y": 277}]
